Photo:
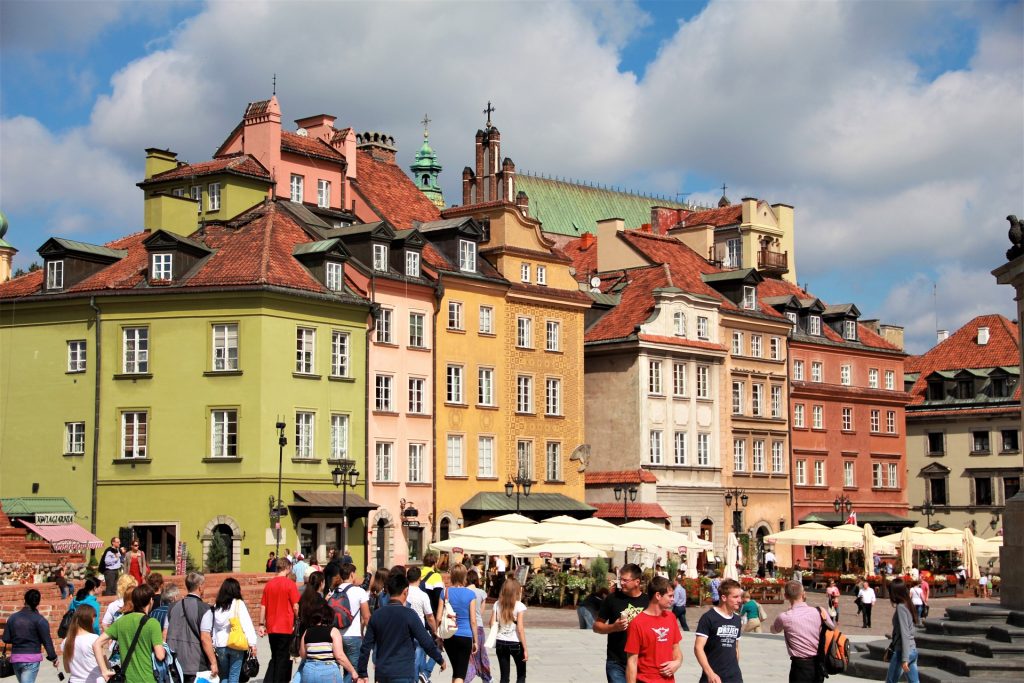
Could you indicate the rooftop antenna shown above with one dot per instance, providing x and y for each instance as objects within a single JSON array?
[
  {"x": 275, "y": 85},
  {"x": 935, "y": 306}
]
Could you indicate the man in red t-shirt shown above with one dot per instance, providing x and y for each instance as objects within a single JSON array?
[
  {"x": 652, "y": 643},
  {"x": 278, "y": 607}
]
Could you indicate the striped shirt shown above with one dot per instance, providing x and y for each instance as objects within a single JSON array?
[{"x": 319, "y": 647}]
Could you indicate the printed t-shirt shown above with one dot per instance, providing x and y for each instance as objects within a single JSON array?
[
  {"x": 721, "y": 633},
  {"x": 653, "y": 640},
  {"x": 279, "y": 597},
  {"x": 508, "y": 632},
  {"x": 140, "y": 666},
  {"x": 357, "y": 597},
  {"x": 614, "y": 605},
  {"x": 461, "y": 598}
]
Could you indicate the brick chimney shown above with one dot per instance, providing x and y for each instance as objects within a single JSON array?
[
  {"x": 587, "y": 240},
  {"x": 523, "y": 203},
  {"x": 320, "y": 126},
  {"x": 665, "y": 218},
  {"x": 381, "y": 146}
]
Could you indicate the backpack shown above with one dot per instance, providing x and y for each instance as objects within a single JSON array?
[
  {"x": 433, "y": 593},
  {"x": 342, "y": 609},
  {"x": 65, "y": 623},
  {"x": 833, "y": 650},
  {"x": 169, "y": 670}
]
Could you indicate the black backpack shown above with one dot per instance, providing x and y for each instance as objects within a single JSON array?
[
  {"x": 433, "y": 593},
  {"x": 65, "y": 623}
]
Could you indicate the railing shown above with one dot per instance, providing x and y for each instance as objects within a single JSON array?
[{"x": 773, "y": 260}]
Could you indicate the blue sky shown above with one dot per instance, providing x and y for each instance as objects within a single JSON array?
[{"x": 895, "y": 128}]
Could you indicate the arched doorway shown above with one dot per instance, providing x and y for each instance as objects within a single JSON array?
[
  {"x": 706, "y": 533},
  {"x": 225, "y": 533},
  {"x": 381, "y": 547},
  {"x": 759, "y": 547},
  {"x": 446, "y": 529}
]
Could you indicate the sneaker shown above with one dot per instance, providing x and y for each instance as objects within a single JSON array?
[{"x": 422, "y": 678}]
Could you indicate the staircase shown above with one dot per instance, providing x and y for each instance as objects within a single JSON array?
[{"x": 979, "y": 641}]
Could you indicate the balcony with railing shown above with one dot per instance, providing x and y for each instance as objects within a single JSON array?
[{"x": 773, "y": 261}]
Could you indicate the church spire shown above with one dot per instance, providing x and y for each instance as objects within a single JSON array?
[{"x": 425, "y": 168}]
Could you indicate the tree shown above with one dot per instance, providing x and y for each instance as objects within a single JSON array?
[{"x": 217, "y": 556}]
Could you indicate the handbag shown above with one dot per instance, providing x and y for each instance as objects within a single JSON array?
[
  {"x": 6, "y": 667},
  {"x": 492, "y": 634},
  {"x": 119, "y": 674},
  {"x": 250, "y": 669},
  {"x": 448, "y": 625},
  {"x": 237, "y": 639},
  {"x": 889, "y": 652}
]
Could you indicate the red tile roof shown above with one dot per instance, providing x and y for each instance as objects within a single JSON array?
[
  {"x": 954, "y": 412},
  {"x": 392, "y": 194},
  {"x": 302, "y": 144},
  {"x": 634, "y": 510},
  {"x": 681, "y": 341},
  {"x": 635, "y": 305},
  {"x": 244, "y": 164},
  {"x": 640, "y": 476},
  {"x": 725, "y": 215},
  {"x": 582, "y": 251}
]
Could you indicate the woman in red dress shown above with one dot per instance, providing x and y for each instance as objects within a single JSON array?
[{"x": 137, "y": 566}]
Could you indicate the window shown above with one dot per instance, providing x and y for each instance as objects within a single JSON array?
[
  {"x": 486, "y": 320},
  {"x": 524, "y": 272},
  {"x": 412, "y": 264},
  {"x": 524, "y": 394},
  {"x": 335, "y": 276},
  {"x": 847, "y": 419},
  {"x": 890, "y": 380},
  {"x": 936, "y": 390},
  {"x": 178, "y": 192},
  {"x": 749, "y": 298},
  {"x": 305, "y": 350},
  {"x": 876, "y": 417},
  {"x": 983, "y": 491},
  {"x": 890, "y": 421},
  {"x": 849, "y": 481},
  {"x": 417, "y": 323},
  {"x": 552, "y": 396},
  {"x": 134, "y": 434},
  {"x": 844, "y": 375},
  {"x": 757, "y": 399},
  {"x": 938, "y": 491},
  {"x": 817, "y": 417},
  {"x": 467, "y": 256},
  {"x": 703, "y": 330},
  {"x": 775, "y": 348},
  {"x": 162, "y": 267},
  {"x": 323, "y": 193},
  {"x": 224, "y": 434},
  {"x": 485, "y": 386},
  {"x": 814, "y": 325},
  {"x": 415, "y": 463},
  {"x": 54, "y": 274},
  {"x": 872, "y": 378},
  {"x": 380, "y": 257},
  {"x": 542, "y": 275},
  {"x": 385, "y": 327},
  {"x": 756, "y": 345},
  {"x": 296, "y": 188},
  {"x": 816, "y": 371},
  {"x": 196, "y": 193},
  {"x": 383, "y": 395},
  {"x": 703, "y": 381},
  {"x": 850, "y": 330},
  {"x": 876, "y": 475},
  {"x": 894, "y": 477},
  {"x": 798, "y": 415},
  {"x": 979, "y": 442},
  {"x": 553, "y": 341},
  {"x": 798, "y": 369},
  {"x": 76, "y": 356},
  {"x": 1011, "y": 440},
  {"x": 776, "y": 401},
  {"x": 136, "y": 350},
  {"x": 679, "y": 448},
  {"x": 74, "y": 438},
  {"x": 339, "y": 354},
  {"x": 737, "y": 398},
  {"x": 801, "y": 473},
  {"x": 339, "y": 437},
  {"x": 417, "y": 392},
  {"x": 524, "y": 458},
  {"x": 936, "y": 443},
  {"x": 213, "y": 196},
  {"x": 383, "y": 470},
  {"x": 453, "y": 385},
  {"x": 739, "y": 455},
  {"x": 654, "y": 377},
  {"x": 524, "y": 332},
  {"x": 734, "y": 253},
  {"x": 778, "y": 466},
  {"x": 454, "y": 315},
  {"x": 304, "y": 434},
  {"x": 1011, "y": 485},
  {"x": 654, "y": 448},
  {"x": 553, "y": 455},
  {"x": 679, "y": 323},
  {"x": 792, "y": 317},
  {"x": 737, "y": 343},
  {"x": 819, "y": 472},
  {"x": 678, "y": 379},
  {"x": 454, "y": 464},
  {"x": 485, "y": 456},
  {"x": 703, "y": 449},
  {"x": 758, "y": 455}
]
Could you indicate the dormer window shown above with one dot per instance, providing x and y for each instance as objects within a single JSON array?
[
  {"x": 679, "y": 323},
  {"x": 467, "y": 256},
  {"x": 162, "y": 267},
  {"x": 524, "y": 272},
  {"x": 542, "y": 275},
  {"x": 936, "y": 390},
  {"x": 380, "y": 257},
  {"x": 334, "y": 275},
  {"x": 55, "y": 274},
  {"x": 412, "y": 264},
  {"x": 792, "y": 316},
  {"x": 965, "y": 388},
  {"x": 850, "y": 330},
  {"x": 749, "y": 298},
  {"x": 814, "y": 325}
]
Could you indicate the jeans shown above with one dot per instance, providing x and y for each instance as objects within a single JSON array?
[
  {"x": 614, "y": 672},
  {"x": 26, "y": 672},
  {"x": 896, "y": 668},
  {"x": 67, "y": 590},
  {"x": 395, "y": 680},
  {"x": 351, "y": 645},
  {"x": 279, "y": 670},
  {"x": 506, "y": 649},
  {"x": 920, "y": 611},
  {"x": 680, "y": 612},
  {"x": 805, "y": 670},
  {"x": 314, "y": 671},
  {"x": 586, "y": 618},
  {"x": 229, "y": 662}
]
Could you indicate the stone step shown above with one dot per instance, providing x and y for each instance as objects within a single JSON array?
[
  {"x": 1016, "y": 618},
  {"x": 945, "y": 641},
  {"x": 958, "y": 663},
  {"x": 862, "y": 666},
  {"x": 990, "y": 614},
  {"x": 957, "y": 628},
  {"x": 1006, "y": 634},
  {"x": 996, "y": 650}
]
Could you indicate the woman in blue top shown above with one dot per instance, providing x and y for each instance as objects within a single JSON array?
[
  {"x": 463, "y": 645},
  {"x": 86, "y": 595}
]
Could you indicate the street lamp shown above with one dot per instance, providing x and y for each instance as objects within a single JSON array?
[
  {"x": 628, "y": 495},
  {"x": 275, "y": 511},
  {"x": 928, "y": 510},
  {"x": 843, "y": 504},
  {"x": 518, "y": 483},
  {"x": 738, "y": 496},
  {"x": 345, "y": 475}
]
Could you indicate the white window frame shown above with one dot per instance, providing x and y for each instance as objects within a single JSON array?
[
  {"x": 845, "y": 375},
  {"x": 890, "y": 380},
  {"x": 196, "y": 193},
  {"x": 524, "y": 272},
  {"x": 334, "y": 276},
  {"x": 847, "y": 416},
  {"x": 679, "y": 448},
  {"x": 819, "y": 473},
  {"x": 524, "y": 458},
  {"x": 737, "y": 343},
  {"x": 893, "y": 475},
  {"x": 161, "y": 267},
  {"x": 524, "y": 394},
  {"x": 703, "y": 381},
  {"x": 703, "y": 449},
  {"x": 339, "y": 353},
  {"x": 817, "y": 371},
  {"x": 749, "y": 298},
  {"x": 138, "y": 445},
  {"x": 225, "y": 347},
  {"x": 223, "y": 430},
  {"x": 877, "y": 474},
  {"x": 417, "y": 330},
  {"x": 801, "y": 473},
  {"x": 55, "y": 274},
  {"x": 757, "y": 399},
  {"x": 417, "y": 395},
  {"x": 703, "y": 328},
  {"x": 553, "y": 461},
  {"x": 734, "y": 252},
  {"x": 799, "y": 415},
  {"x": 876, "y": 421},
  {"x": 778, "y": 458},
  {"x": 553, "y": 336},
  {"x": 798, "y": 369},
  {"x": 655, "y": 447},
  {"x": 383, "y": 461},
  {"x": 737, "y": 398},
  {"x": 679, "y": 323},
  {"x": 305, "y": 434},
  {"x": 455, "y": 384},
  {"x": 467, "y": 256},
  {"x": 455, "y": 315},
  {"x": 385, "y": 331},
  {"x": 74, "y": 438},
  {"x": 776, "y": 399},
  {"x": 654, "y": 383},
  {"x": 850, "y": 330},
  {"x": 339, "y": 436},
  {"x": 524, "y": 332},
  {"x": 814, "y": 325},
  {"x": 739, "y": 455},
  {"x": 380, "y": 257},
  {"x": 817, "y": 417},
  {"x": 485, "y": 386},
  {"x": 135, "y": 350},
  {"x": 296, "y": 189},
  {"x": 757, "y": 456},
  {"x": 213, "y": 197},
  {"x": 412, "y": 263},
  {"x": 305, "y": 350},
  {"x": 679, "y": 379},
  {"x": 415, "y": 473},
  {"x": 485, "y": 456},
  {"x": 872, "y": 378},
  {"x": 542, "y": 279},
  {"x": 775, "y": 348},
  {"x": 455, "y": 461},
  {"x": 77, "y": 355},
  {"x": 323, "y": 193},
  {"x": 849, "y": 475},
  {"x": 486, "y": 320},
  {"x": 552, "y": 396},
  {"x": 756, "y": 345},
  {"x": 384, "y": 393},
  {"x": 890, "y": 422}
]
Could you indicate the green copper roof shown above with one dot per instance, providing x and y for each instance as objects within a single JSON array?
[
  {"x": 553, "y": 503},
  {"x": 426, "y": 158},
  {"x": 4, "y": 224},
  {"x": 17, "y": 507},
  {"x": 425, "y": 170},
  {"x": 567, "y": 208}
]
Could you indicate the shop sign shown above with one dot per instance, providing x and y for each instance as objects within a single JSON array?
[{"x": 53, "y": 518}]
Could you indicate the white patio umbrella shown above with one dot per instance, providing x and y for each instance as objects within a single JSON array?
[
  {"x": 596, "y": 532},
  {"x": 562, "y": 549},
  {"x": 511, "y": 527},
  {"x": 651, "y": 535},
  {"x": 987, "y": 548},
  {"x": 732, "y": 548},
  {"x": 809, "y": 533},
  {"x": 477, "y": 546},
  {"x": 906, "y": 548},
  {"x": 970, "y": 557},
  {"x": 852, "y": 536},
  {"x": 926, "y": 539},
  {"x": 870, "y": 547}
]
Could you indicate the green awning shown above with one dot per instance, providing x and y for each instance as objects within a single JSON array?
[
  {"x": 26, "y": 507},
  {"x": 499, "y": 503},
  {"x": 827, "y": 518}
]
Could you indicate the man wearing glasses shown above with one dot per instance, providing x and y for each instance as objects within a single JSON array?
[{"x": 613, "y": 619}]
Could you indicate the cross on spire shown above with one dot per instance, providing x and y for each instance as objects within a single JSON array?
[
  {"x": 426, "y": 124},
  {"x": 275, "y": 85},
  {"x": 490, "y": 110},
  {"x": 724, "y": 188}
]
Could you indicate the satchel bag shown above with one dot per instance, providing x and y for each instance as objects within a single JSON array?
[
  {"x": 449, "y": 621},
  {"x": 237, "y": 639},
  {"x": 6, "y": 667},
  {"x": 119, "y": 672},
  {"x": 492, "y": 634}
]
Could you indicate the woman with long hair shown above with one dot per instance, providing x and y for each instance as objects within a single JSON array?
[
  {"x": 379, "y": 589},
  {"x": 322, "y": 650},
  {"x": 86, "y": 595},
  {"x": 27, "y": 631},
  {"x": 510, "y": 615},
  {"x": 903, "y": 647},
  {"x": 463, "y": 645},
  {"x": 135, "y": 561},
  {"x": 479, "y": 663},
  {"x": 229, "y": 605},
  {"x": 79, "y": 659},
  {"x": 123, "y": 604}
]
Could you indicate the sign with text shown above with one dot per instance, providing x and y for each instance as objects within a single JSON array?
[{"x": 53, "y": 518}]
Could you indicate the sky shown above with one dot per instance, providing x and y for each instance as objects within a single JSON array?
[{"x": 895, "y": 129}]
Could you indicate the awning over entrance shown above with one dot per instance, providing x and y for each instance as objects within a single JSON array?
[
  {"x": 836, "y": 518},
  {"x": 313, "y": 502},
  {"x": 65, "y": 538},
  {"x": 534, "y": 506}
]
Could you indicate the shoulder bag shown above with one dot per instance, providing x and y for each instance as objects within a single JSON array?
[
  {"x": 119, "y": 672},
  {"x": 6, "y": 667},
  {"x": 237, "y": 640},
  {"x": 449, "y": 623},
  {"x": 492, "y": 634}
]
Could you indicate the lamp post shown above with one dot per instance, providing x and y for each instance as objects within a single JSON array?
[
  {"x": 928, "y": 510},
  {"x": 344, "y": 475},
  {"x": 518, "y": 483},
  {"x": 843, "y": 504},
  {"x": 733, "y": 497},
  {"x": 628, "y": 495},
  {"x": 275, "y": 509}
]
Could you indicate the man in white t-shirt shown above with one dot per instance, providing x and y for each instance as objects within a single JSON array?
[
  {"x": 359, "y": 605},
  {"x": 419, "y": 602},
  {"x": 769, "y": 563}
]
